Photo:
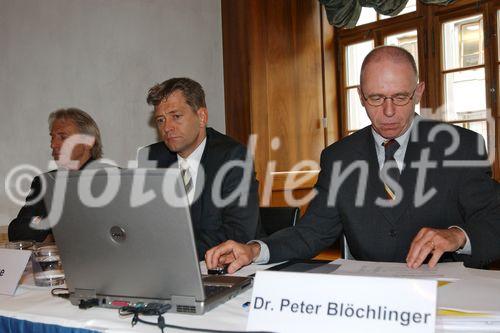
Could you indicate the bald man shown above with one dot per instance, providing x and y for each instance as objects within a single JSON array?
[{"x": 396, "y": 188}]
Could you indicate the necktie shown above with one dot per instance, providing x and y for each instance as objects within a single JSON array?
[
  {"x": 186, "y": 177},
  {"x": 390, "y": 147}
]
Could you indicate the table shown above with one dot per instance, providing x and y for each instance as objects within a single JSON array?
[{"x": 37, "y": 305}]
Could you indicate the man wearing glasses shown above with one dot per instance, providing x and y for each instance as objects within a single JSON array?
[{"x": 400, "y": 190}]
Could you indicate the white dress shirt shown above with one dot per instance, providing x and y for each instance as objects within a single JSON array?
[{"x": 193, "y": 164}]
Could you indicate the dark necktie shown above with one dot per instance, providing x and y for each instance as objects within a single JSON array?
[{"x": 390, "y": 147}]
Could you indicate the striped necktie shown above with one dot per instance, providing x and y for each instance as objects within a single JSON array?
[
  {"x": 390, "y": 147},
  {"x": 186, "y": 177}
]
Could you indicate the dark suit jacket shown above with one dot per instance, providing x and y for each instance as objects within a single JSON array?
[
  {"x": 19, "y": 228},
  {"x": 213, "y": 225},
  {"x": 465, "y": 197}
]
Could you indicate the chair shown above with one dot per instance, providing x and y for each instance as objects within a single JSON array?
[{"x": 276, "y": 218}]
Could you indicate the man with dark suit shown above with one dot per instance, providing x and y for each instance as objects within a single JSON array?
[
  {"x": 217, "y": 171},
  {"x": 70, "y": 152},
  {"x": 402, "y": 189}
]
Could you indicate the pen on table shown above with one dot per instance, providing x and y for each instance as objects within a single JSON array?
[{"x": 246, "y": 305}]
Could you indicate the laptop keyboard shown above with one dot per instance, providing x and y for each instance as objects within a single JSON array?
[{"x": 214, "y": 290}]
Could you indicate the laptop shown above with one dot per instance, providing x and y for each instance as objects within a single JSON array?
[{"x": 126, "y": 238}]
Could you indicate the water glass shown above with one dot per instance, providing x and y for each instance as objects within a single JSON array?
[{"x": 47, "y": 267}]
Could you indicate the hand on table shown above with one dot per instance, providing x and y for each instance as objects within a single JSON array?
[
  {"x": 435, "y": 242},
  {"x": 233, "y": 253}
]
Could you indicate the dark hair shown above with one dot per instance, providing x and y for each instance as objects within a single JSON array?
[
  {"x": 192, "y": 91},
  {"x": 394, "y": 53},
  {"x": 85, "y": 124}
]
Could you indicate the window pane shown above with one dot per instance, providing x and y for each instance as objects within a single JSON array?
[
  {"x": 465, "y": 95},
  {"x": 480, "y": 127},
  {"x": 411, "y": 6},
  {"x": 406, "y": 40},
  {"x": 367, "y": 15},
  {"x": 463, "y": 42},
  {"x": 356, "y": 114},
  {"x": 355, "y": 53}
]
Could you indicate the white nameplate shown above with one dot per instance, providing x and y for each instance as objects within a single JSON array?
[
  {"x": 12, "y": 264},
  {"x": 306, "y": 302}
]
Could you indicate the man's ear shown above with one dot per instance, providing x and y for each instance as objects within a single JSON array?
[
  {"x": 361, "y": 98},
  {"x": 203, "y": 116},
  {"x": 89, "y": 145},
  {"x": 419, "y": 91}
]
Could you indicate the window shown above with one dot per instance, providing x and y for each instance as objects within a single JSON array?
[
  {"x": 463, "y": 74},
  {"x": 471, "y": 42},
  {"x": 456, "y": 48},
  {"x": 355, "y": 53}
]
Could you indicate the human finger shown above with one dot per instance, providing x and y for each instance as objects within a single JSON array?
[
  {"x": 419, "y": 253},
  {"x": 424, "y": 236},
  {"x": 212, "y": 256}
]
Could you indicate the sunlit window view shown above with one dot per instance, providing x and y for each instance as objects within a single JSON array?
[
  {"x": 356, "y": 115},
  {"x": 464, "y": 74}
]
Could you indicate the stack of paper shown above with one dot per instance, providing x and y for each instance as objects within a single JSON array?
[
  {"x": 468, "y": 299},
  {"x": 472, "y": 303}
]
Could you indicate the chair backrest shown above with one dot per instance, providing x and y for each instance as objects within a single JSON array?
[{"x": 276, "y": 218}]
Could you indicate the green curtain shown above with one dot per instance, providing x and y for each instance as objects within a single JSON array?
[{"x": 345, "y": 13}]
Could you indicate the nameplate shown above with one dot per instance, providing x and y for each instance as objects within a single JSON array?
[
  {"x": 12, "y": 264},
  {"x": 307, "y": 302}
]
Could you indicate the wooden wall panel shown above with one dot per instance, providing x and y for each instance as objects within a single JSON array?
[
  {"x": 235, "y": 52},
  {"x": 274, "y": 70},
  {"x": 294, "y": 74}
]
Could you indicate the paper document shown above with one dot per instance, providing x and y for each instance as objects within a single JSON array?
[
  {"x": 473, "y": 295},
  {"x": 444, "y": 271}
]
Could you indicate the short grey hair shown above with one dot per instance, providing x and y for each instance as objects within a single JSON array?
[{"x": 85, "y": 124}]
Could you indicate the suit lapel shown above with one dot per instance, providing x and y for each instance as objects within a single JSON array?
[{"x": 202, "y": 180}]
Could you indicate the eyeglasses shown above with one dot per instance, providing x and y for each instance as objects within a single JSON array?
[{"x": 399, "y": 99}]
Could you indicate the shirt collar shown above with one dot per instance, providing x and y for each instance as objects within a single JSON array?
[
  {"x": 193, "y": 160},
  {"x": 402, "y": 139}
]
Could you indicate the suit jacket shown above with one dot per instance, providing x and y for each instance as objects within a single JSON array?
[
  {"x": 19, "y": 228},
  {"x": 465, "y": 197},
  {"x": 213, "y": 225}
]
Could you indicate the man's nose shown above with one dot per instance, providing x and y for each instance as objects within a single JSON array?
[
  {"x": 55, "y": 143},
  {"x": 388, "y": 107},
  {"x": 168, "y": 125}
]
